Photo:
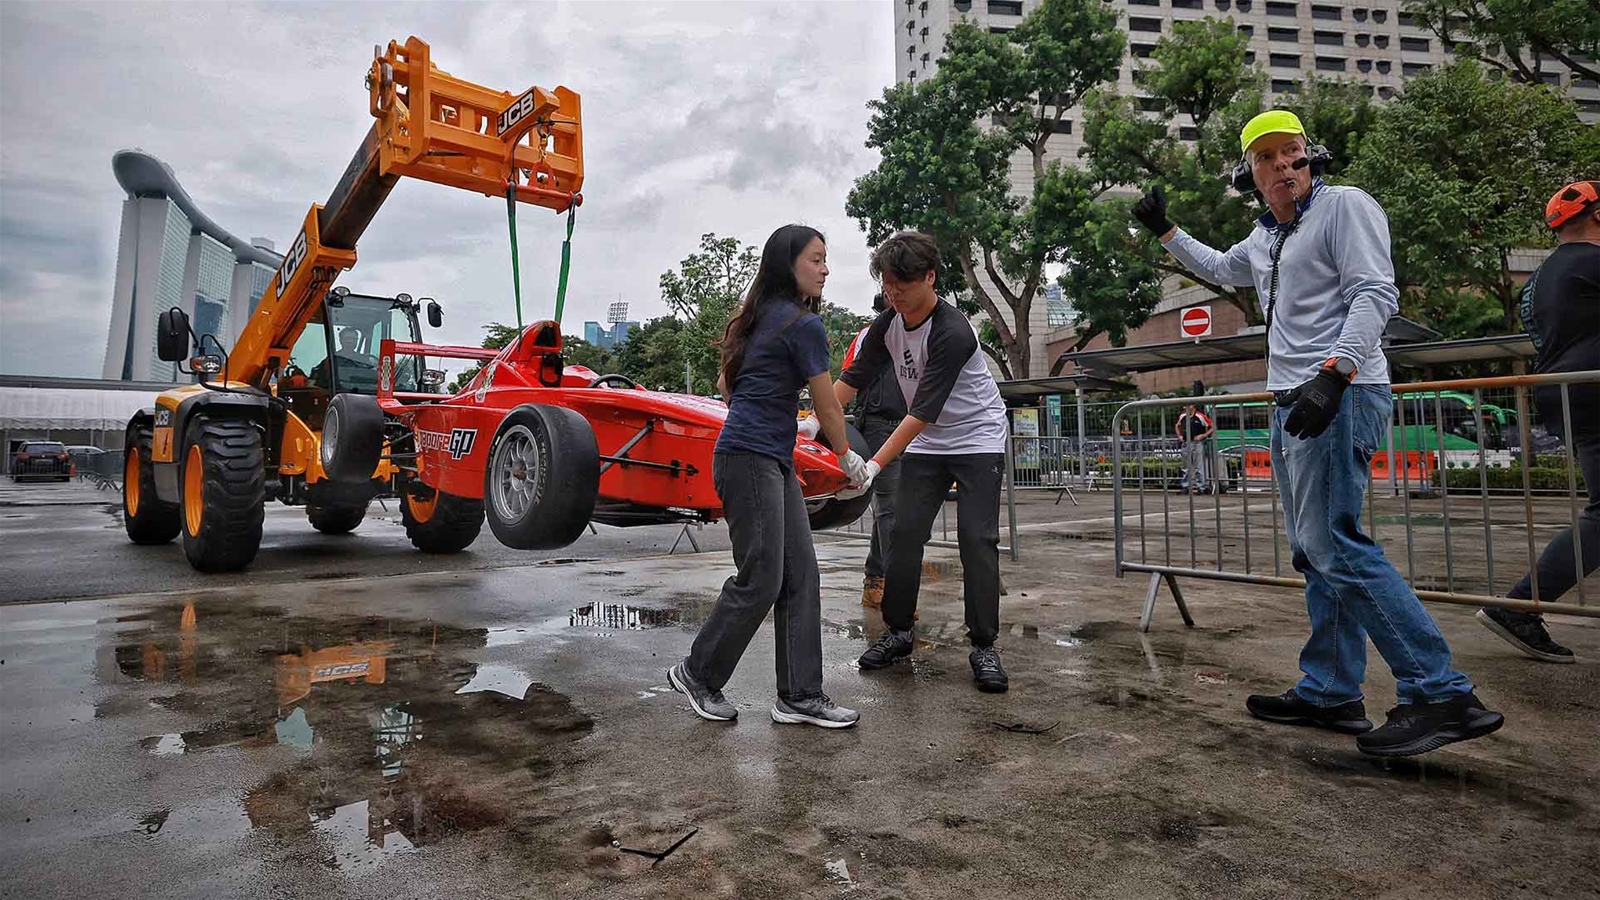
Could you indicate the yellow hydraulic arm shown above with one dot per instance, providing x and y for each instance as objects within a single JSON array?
[{"x": 429, "y": 125}]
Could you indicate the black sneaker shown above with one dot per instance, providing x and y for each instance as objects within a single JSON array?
[
  {"x": 987, "y": 671},
  {"x": 887, "y": 650},
  {"x": 1415, "y": 728},
  {"x": 1289, "y": 708},
  {"x": 1525, "y": 631}
]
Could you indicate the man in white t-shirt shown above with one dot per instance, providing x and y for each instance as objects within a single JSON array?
[{"x": 955, "y": 431}]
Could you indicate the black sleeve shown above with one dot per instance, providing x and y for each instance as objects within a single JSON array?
[
  {"x": 950, "y": 344},
  {"x": 872, "y": 357}
]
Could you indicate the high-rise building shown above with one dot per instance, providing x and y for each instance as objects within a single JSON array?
[
  {"x": 169, "y": 253},
  {"x": 608, "y": 338},
  {"x": 1376, "y": 43}
]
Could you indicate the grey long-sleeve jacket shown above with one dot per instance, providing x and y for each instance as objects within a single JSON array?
[{"x": 1336, "y": 288}]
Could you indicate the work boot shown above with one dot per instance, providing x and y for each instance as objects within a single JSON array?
[
  {"x": 872, "y": 592},
  {"x": 708, "y": 704},
  {"x": 987, "y": 671},
  {"x": 817, "y": 710},
  {"x": 1289, "y": 708},
  {"x": 1525, "y": 631},
  {"x": 1415, "y": 728},
  {"x": 887, "y": 650}
]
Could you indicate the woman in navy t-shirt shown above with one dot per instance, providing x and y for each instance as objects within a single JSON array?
[{"x": 774, "y": 346}]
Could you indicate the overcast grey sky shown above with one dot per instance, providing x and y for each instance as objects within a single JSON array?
[{"x": 733, "y": 117}]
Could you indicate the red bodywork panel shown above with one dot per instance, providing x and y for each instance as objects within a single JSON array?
[{"x": 455, "y": 434}]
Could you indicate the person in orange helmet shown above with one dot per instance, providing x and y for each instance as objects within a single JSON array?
[{"x": 1560, "y": 307}]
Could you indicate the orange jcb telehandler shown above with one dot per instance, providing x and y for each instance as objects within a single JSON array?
[{"x": 203, "y": 461}]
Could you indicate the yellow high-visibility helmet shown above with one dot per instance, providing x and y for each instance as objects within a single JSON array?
[{"x": 1273, "y": 121}]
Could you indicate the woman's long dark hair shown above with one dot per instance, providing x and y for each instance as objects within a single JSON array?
[{"x": 774, "y": 281}]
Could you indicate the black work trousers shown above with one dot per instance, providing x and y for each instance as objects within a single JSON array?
[{"x": 925, "y": 480}]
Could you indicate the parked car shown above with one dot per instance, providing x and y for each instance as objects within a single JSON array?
[
  {"x": 41, "y": 459},
  {"x": 85, "y": 457}
]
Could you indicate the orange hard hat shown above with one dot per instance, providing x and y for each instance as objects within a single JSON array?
[{"x": 1570, "y": 202}]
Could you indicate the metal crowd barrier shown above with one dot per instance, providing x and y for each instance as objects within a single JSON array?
[{"x": 1466, "y": 478}]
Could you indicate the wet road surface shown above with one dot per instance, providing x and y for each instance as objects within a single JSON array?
[{"x": 508, "y": 732}]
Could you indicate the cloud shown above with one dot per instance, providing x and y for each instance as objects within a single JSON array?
[{"x": 729, "y": 117}]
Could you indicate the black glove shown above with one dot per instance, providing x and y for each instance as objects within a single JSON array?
[
  {"x": 1151, "y": 211},
  {"x": 1315, "y": 404}
]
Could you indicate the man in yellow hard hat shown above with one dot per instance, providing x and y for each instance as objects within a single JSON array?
[{"x": 1319, "y": 261}]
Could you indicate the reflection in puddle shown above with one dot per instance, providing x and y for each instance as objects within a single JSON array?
[
  {"x": 164, "y": 744},
  {"x": 499, "y": 679},
  {"x": 353, "y": 701},
  {"x": 618, "y": 617},
  {"x": 361, "y": 838}
]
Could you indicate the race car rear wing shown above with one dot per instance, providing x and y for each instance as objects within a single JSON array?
[{"x": 389, "y": 348}]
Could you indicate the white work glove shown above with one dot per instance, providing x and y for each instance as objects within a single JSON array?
[
  {"x": 854, "y": 466},
  {"x": 808, "y": 427},
  {"x": 851, "y": 493}
]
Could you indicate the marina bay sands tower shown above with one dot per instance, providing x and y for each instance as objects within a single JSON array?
[{"x": 170, "y": 253}]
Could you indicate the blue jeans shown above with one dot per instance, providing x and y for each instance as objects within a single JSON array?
[{"x": 1352, "y": 591}]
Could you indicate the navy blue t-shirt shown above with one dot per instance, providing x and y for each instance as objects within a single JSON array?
[{"x": 788, "y": 348}]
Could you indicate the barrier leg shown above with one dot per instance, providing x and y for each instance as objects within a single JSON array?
[{"x": 1150, "y": 601}]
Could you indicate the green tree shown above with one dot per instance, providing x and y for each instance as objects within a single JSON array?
[
  {"x": 1517, "y": 36},
  {"x": 579, "y": 352},
  {"x": 703, "y": 293},
  {"x": 946, "y": 148},
  {"x": 653, "y": 354},
  {"x": 843, "y": 326},
  {"x": 496, "y": 336},
  {"x": 1463, "y": 163}
]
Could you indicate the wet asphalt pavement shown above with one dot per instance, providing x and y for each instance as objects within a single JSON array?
[{"x": 349, "y": 721}]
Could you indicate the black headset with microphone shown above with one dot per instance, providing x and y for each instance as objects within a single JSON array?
[{"x": 1317, "y": 157}]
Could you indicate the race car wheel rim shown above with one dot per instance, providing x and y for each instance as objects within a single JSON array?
[
  {"x": 517, "y": 471},
  {"x": 130, "y": 482},
  {"x": 194, "y": 476}
]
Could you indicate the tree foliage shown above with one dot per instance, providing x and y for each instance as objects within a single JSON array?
[
  {"x": 1517, "y": 36},
  {"x": 702, "y": 293},
  {"x": 653, "y": 355},
  {"x": 1463, "y": 163},
  {"x": 495, "y": 337},
  {"x": 947, "y": 146}
]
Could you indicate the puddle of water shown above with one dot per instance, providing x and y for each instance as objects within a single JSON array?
[
  {"x": 360, "y": 838},
  {"x": 500, "y": 679},
  {"x": 567, "y": 560},
  {"x": 620, "y": 617},
  {"x": 398, "y": 736},
  {"x": 165, "y": 744}
]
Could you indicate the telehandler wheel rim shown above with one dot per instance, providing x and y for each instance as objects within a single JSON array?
[
  {"x": 194, "y": 479},
  {"x": 130, "y": 483},
  {"x": 422, "y": 510},
  {"x": 517, "y": 470},
  {"x": 330, "y": 436}
]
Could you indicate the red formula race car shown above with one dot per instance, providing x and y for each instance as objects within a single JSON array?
[{"x": 541, "y": 449}]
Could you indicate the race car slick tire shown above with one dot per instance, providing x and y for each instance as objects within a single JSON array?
[
  {"x": 352, "y": 437},
  {"x": 543, "y": 475},
  {"x": 222, "y": 487},
  {"x": 441, "y": 523},
  {"x": 836, "y": 513},
  {"x": 145, "y": 517},
  {"x": 335, "y": 519}
]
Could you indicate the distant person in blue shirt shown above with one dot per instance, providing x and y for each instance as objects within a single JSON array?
[{"x": 774, "y": 345}]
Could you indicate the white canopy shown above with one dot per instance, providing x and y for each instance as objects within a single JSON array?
[{"x": 69, "y": 408}]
